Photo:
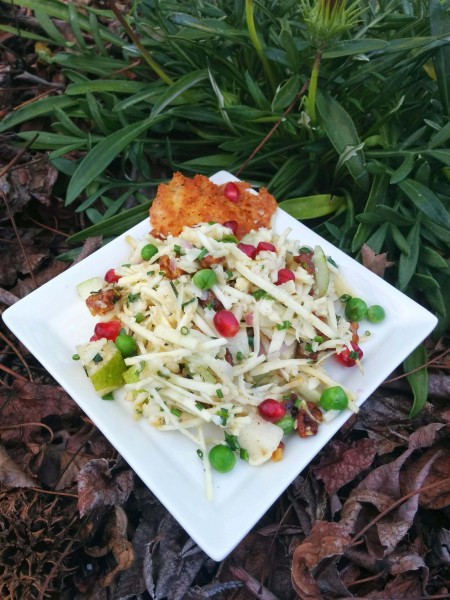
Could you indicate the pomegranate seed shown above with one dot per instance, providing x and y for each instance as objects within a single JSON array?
[
  {"x": 108, "y": 329},
  {"x": 111, "y": 276},
  {"x": 248, "y": 249},
  {"x": 94, "y": 338},
  {"x": 232, "y": 192},
  {"x": 226, "y": 323},
  {"x": 267, "y": 246},
  {"x": 233, "y": 225},
  {"x": 284, "y": 275},
  {"x": 350, "y": 361},
  {"x": 271, "y": 410}
]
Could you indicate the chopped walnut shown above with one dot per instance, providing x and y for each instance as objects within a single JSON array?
[
  {"x": 308, "y": 419},
  {"x": 165, "y": 265},
  {"x": 102, "y": 302},
  {"x": 209, "y": 260}
]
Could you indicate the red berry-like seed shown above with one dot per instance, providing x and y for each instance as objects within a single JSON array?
[
  {"x": 248, "y": 249},
  {"x": 111, "y": 276},
  {"x": 233, "y": 225},
  {"x": 344, "y": 356},
  {"x": 108, "y": 329},
  {"x": 226, "y": 323},
  {"x": 284, "y": 275},
  {"x": 271, "y": 410},
  {"x": 94, "y": 338},
  {"x": 232, "y": 192},
  {"x": 267, "y": 246}
]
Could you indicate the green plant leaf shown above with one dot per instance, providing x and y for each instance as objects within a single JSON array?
[
  {"x": 349, "y": 47},
  {"x": 440, "y": 25},
  {"x": 342, "y": 133},
  {"x": 117, "y": 86},
  {"x": 426, "y": 201},
  {"x": 417, "y": 375},
  {"x": 179, "y": 87},
  {"x": 102, "y": 155},
  {"x": 39, "y": 108},
  {"x": 408, "y": 262},
  {"x": 441, "y": 155},
  {"x": 114, "y": 225},
  {"x": 312, "y": 207},
  {"x": 286, "y": 93}
]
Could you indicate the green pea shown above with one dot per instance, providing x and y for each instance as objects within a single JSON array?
[
  {"x": 126, "y": 344},
  {"x": 375, "y": 313},
  {"x": 149, "y": 251},
  {"x": 355, "y": 309},
  {"x": 204, "y": 279},
  {"x": 334, "y": 398},
  {"x": 287, "y": 424},
  {"x": 222, "y": 458}
]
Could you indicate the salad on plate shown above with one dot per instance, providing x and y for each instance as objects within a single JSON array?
[{"x": 224, "y": 339}]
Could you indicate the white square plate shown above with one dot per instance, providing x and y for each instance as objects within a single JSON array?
[{"x": 52, "y": 320}]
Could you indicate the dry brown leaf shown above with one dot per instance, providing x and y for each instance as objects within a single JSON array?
[
  {"x": 377, "y": 263},
  {"x": 341, "y": 462},
  {"x": 99, "y": 485},
  {"x": 325, "y": 540},
  {"x": 439, "y": 476},
  {"x": 11, "y": 475}
]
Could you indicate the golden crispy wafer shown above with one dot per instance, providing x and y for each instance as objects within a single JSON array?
[{"x": 188, "y": 201}]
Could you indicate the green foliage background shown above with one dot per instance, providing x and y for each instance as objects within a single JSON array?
[{"x": 196, "y": 86}]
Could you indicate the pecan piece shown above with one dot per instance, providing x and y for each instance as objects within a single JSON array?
[
  {"x": 171, "y": 271},
  {"x": 308, "y": 419},
  {"x": 102, "y": 302},
  {"x": 209, "y": 260}
]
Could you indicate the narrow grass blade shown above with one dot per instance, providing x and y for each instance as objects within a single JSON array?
[
  {"x": 34, "y": 110},
  {"x": 440, "y": 25},
  {"x": 179, "y": 87},
  {"x": 342, "y": 133},
  {"x": 114, "y": 225},
  {"x": 426, "y": 201},
  {"x": 102, "y": 155},
  {"x": 417, "y": 376}
]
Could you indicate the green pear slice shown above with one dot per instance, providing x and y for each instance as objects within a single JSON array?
[{"x": 104, "y": 365}]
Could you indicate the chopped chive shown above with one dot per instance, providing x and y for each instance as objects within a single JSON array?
[
  {"x": 283, "y": 325},
  {"x": 243, "y": 454},
  {"x": 232, "y": 441},
  {"x": 176, "y": 412},
  {"x": 126, "y": 265},
  {"x": 184, "y": 330},
  {"x": 239, "y": 356},
  {"x": 200, "y": 453},
  {"x": 229, "y": 274},
  {"x": 199, "y": 405},
  {"x": 308, "y": 348},
  {"x": 318, "y": 338},
  {"x": 353, "y": 355},
  {"x": 229, "y": 239},
  {"x": 162, "y": 374},
  {"x": 219, "y": 393},
  {"x": 331, "y": 261},
  {"x": 75, "y": 357},
  {"x": 223, "y": 414},
  {"x": 188, "y": 302},
  {"x": 139, "y": 317},
  {"x": 108, "y": 396},
  {"x": 305, "y": 250},
  {"x": 258, "y": 294},
  {"x": 97, "y": 358},
  {"x": 344, "y": 297},
  {"x": 178, "y": 250},
  {"x": 367, "y": 333},
  {"x": 162, "y": 273},
  {"x": 175, "y": 291},
  {"x": 134, "y": 297},
  {"x": 203, "y": 253},
  {"x": 150, "y": 272}
]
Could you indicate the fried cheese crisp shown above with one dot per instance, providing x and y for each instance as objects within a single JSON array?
[{"x": 188, "y": 201}]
